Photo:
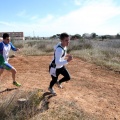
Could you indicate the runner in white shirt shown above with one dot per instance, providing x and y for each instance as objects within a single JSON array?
[{"x": 57, "y": 65}]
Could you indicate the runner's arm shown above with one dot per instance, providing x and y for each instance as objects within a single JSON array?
[
  {"x": 1, "y": 46},
  {"x": 58, "y": 54},
  {"x": 13, "y": 47}
]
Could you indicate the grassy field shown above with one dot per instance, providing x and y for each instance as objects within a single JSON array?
[{"x": 104, "y": 53}]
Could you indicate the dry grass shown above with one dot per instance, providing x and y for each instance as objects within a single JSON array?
[
  {"x": 104, "y": 53},
  {"x": 10, "y": 109},
  {"x": 35, "y": 47},
  {"x": 65, "y": 110}
]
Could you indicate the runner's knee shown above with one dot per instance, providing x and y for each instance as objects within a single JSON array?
[
  {"x": 68, "y": 77},
  {"x": 14, "y": 71}
]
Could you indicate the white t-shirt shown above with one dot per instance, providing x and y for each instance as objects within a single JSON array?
[{"x": 59, "y": 60}]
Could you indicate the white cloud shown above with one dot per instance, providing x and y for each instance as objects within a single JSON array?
[{"x": 93, "y": 16}]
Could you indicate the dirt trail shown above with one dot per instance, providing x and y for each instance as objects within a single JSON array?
[{"x": 95, "y": 90}]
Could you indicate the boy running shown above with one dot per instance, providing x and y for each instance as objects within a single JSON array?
[
  {"x": 57, "y": 65},
  {"x": 5, "y": 47}
]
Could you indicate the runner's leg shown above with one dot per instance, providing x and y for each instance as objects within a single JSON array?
[{"x": 66, "y": 75}]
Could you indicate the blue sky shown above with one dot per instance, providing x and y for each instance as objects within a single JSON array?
[{"x": 49, "y": 17}]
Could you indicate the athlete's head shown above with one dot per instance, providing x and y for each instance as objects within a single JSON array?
[
  {"x": 65, "y": 39},
  {"x": 6, "y": 38}
]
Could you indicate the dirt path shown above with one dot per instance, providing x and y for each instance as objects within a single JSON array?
[{"x": 94, "y": 90}]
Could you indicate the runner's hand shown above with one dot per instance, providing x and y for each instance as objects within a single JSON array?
[
  {"x": 18, "y": 49},
  {"x": 69, "y": 58}
]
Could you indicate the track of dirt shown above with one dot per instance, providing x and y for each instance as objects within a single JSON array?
[{"x": 95, "y": 90}]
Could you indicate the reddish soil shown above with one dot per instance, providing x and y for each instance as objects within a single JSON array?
[{"x": 95, "y": 90}]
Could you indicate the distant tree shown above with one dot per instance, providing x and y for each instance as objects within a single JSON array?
[
  {"x": 58, "y": 35},
  {"x": 75, "y": 37},
  {"x": 86, "y": 35},
  {"x": 53, "y": 37},
  {"x": 93, "y": 35},
  {"x": 118, "y": 36},
  {"x": 103, "y": 37},
  {"x": 78, "y": 36}
]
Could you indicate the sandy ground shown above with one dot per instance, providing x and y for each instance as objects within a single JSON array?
[{"x": 93, "y": 89}]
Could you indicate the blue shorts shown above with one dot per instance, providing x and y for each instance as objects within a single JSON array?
[{"x": 6, "y": 66}]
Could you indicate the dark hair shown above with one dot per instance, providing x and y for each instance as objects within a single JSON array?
[
  {"x": 5, "y": 35},
  {"x": 63, "y": 35}
]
